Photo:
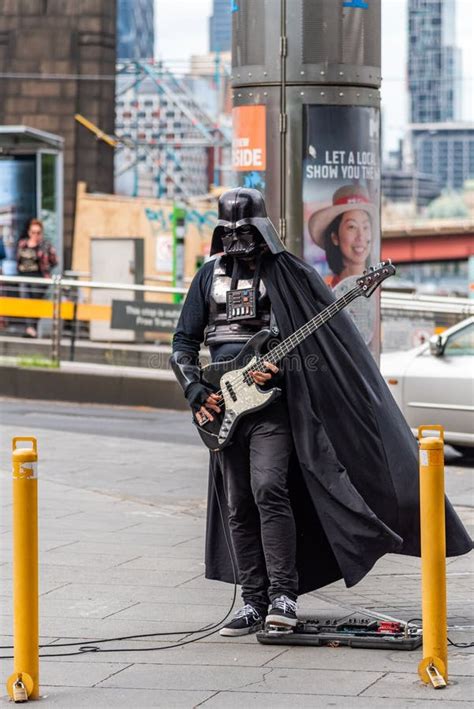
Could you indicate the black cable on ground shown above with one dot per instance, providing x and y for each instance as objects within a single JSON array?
[
  {"x": 92, "y": 645},
  {"x": 450, "y": 642}
]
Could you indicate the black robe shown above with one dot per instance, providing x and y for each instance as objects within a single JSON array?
[{"x": 354, "y": 475}]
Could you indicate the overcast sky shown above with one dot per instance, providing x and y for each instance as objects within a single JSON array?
[
  {"x": 182, "y": 28},
  {"x": 394, "y": 54}
]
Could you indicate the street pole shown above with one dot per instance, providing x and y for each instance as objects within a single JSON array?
[
  {"x": 23, "y": 684},
  {"x": 178, "y": 231},
  {"x": 434, "y": 665}
]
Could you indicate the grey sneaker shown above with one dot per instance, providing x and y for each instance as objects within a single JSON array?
[
  {"x": 246, "y": 620},
  {"x": 282, "y": 612}
]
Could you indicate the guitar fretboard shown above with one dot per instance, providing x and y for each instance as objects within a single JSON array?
[{"x": 278, "y": 352}]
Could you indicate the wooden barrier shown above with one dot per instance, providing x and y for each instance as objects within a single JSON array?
[{"x": 36, "y": 308}]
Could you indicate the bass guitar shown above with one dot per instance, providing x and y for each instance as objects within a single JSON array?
[{"x": 231, "y": 380}]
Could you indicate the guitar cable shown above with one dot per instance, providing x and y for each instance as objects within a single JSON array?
[{"x": 92, "y": 646}]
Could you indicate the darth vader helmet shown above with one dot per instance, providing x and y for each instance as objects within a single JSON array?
[{"x": 243, "y": 225}]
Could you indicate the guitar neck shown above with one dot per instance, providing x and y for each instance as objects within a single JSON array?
[{"x": 278, "y": 352}]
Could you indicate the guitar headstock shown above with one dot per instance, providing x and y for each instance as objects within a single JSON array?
[{"x": 372, "y": 278}]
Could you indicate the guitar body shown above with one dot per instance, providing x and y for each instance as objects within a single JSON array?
[{"x": 240, "y": 394}]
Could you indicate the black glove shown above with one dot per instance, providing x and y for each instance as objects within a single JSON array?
[{"x": 197, "y": 395}]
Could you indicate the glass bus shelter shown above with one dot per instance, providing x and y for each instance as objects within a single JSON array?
[{"x": 31, "y": 185}]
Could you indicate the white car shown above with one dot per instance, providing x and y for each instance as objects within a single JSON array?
[{"x": 434, "y": 383}]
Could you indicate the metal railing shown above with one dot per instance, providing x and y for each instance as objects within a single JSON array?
[
  {"x": 73, "y": 320},
  {"x": 437, "y": 304},
  {"x": 68, "y": 311}
]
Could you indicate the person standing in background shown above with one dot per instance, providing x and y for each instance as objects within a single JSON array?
[
  {"x": 3, "y": 255},
  {"x": 35, "y": 258}
]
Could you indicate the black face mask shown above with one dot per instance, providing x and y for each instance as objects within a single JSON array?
[{"x": 242, "y": 242}]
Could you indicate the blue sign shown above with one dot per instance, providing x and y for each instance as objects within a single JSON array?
[
  {"x": 356, "y": 3},
  {"x": 234, "y": 6}
]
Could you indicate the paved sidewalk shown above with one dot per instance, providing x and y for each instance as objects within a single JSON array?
[{"x": 122, "y": 510}]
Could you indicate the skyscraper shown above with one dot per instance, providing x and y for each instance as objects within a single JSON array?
[
  {"x": 445, "y": 151},
  {"x": 441, "y": 146},
  {"x": 434, "y": 63},
  {"x": 135, "y": 29},
  {"x": 220, "y": 26}
]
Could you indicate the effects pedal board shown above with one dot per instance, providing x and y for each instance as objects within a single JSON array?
[{"x": 351, "y": 630}]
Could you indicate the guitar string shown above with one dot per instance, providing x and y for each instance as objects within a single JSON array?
[
  {"x": 297, "y": 337},
  {"x": 309, "y": 328},
  {"x": 312, "y": 325}
]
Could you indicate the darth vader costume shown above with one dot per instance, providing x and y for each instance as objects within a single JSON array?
[{"x": 352, "y": 460}]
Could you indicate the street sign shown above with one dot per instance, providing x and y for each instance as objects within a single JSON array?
[{"x": 144, "y": 316}]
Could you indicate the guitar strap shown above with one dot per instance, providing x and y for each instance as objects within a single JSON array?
[{"x": 241, "y": 303}]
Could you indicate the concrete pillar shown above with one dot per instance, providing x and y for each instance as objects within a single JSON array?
[{"x": 306, "y": 79}]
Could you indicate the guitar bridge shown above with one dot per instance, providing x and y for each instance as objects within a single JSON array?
[{"x": 226, "y": 425}]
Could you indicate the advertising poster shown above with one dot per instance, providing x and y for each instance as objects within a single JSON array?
[
  {"x": 17, "y": 203},
  {"x": 164, "y": 253},
  {"x": 249, "y": 151},
  {"x": 341, "y": 201}
]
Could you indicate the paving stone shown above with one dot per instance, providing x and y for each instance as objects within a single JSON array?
[
  {"x": 114, "y": 626},
  {"x": 174, "y": 613},
  {"x": 235, "y": 700},
  {"x": 244, "y": 679},
  {"x": 408, "y": 686},
  {"x": 72, "y": 674},
  {"x": 160, "y": 549},
  {"x": 359, "y": 659},
  {"x": 139, "y": 652},
  {"x": 62, "y": 557},
  {"x": 144, "y": 563},
  {"x": 102, "y": 698},
  {"x": 50, "y": 574},
  {"x": 51, "y": 607},
  {"x": 153, "y": 594}
]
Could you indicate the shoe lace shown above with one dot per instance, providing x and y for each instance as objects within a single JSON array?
[
  {"x": 283, "y": 603},
  {"x": 247, "y": 610}
]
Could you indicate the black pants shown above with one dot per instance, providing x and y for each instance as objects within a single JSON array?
[
  {"x": 31, "y": 290},
  {"x": 255, "y": 472}
]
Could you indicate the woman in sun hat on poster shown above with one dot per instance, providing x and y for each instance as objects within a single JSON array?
[{"x": 344, "y": 231}]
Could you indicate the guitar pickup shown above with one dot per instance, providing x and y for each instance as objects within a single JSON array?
[{"x": 231, "y": 391}]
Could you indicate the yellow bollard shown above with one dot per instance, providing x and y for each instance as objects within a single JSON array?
[
  {"x": 434, "y": 666},
  {"x": 23, "y": 684}
]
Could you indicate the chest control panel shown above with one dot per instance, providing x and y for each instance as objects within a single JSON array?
[{"x": 241, "y": 304}]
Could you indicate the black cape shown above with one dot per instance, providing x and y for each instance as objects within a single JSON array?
[{"x": 354, "y": 474}]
